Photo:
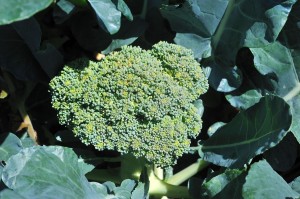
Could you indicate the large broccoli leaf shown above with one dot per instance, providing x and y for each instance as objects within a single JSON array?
[
  {"x": 231, "y": 180},
  {"x": 218, "y": 29},
  {"x": 10, "y": 145},
  {"x": 263, "y": 182},
  {"x": 56, "y": 172},
  {"x": 23, "y": 53},
  {"x": 279, "y": 63},
  {"x": 47, "y": 172},
  {"x": 109, "y": 14},
  {"x": 250, "y": 133},
  {"x": 11, "y": 11}
]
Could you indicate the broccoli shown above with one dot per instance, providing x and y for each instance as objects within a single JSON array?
[{"x": 134, "y": 101}]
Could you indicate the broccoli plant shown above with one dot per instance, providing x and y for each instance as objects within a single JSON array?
[{"x": 137, "y": 102}]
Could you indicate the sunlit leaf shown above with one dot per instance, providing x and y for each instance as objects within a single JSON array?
[
  {"x": 121, "y": 6},
  {"x": 10, "y": 145},
  {"x": 22, "y": 9},
  {"x": 259, "y": 186},
  {"x": 250, "y": 133},
  {"x": 217, "y": 184},
  {"x": 108, "y": 14},
  {"x": 49, "y": 172},
  {"x": 128, "y": 33},
  {"x": 220, "y": 28},
  {"x": 295, "y": 185}
]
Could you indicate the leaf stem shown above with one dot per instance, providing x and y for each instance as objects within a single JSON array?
[
  {"x": 217, "y": 37},
  {"x": 295, "y": 91},
  {"x": 19, "y": 102},
  {"x": 144, "y": 10},
  {"x": 159, "y": 188},
  {"x": 27, "y": 123},
  {"x": 187, "y": 173}
]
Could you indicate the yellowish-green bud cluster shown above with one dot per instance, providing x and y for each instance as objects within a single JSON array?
[{"x": 134, "y": 101}]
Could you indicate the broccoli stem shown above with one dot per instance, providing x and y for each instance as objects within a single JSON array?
[
  {"x": 131, "y": 168},
  {"x": 159, "y": 188},
  {"x": 187, "y": 173},
  {"x": 159, "y": 172}
]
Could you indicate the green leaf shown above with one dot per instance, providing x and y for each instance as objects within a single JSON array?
[
  {"x": 9, "y": 194},
  {"x": 11, "y": 11},
  {"x": 233, "y": 190},
  {"x": 128, "y": 184},
  {"x": 259, "y": 186},
  {"x": 16, "y": 57},
  {"x": 88, "y": 37},
  {"x": 290, "y": 40},
  {"x": 251, "y": 132},
  {"x": 128, "y": 33},
  {"x": 192, "y": 41},
  {"x": 62, "y": 11},
  {"x": 123, "y": 8},
  {"x": 199, "y": 17},
  {"x": 244, "y": 100},
  {"x": 88, "y": 157},
  {"x": 221, "y": 28},
  {"x": 194, "y": 185},
  {"x": 49, "y": 172},
  {"x": 22, "y": 54},
  {"x": 283, "y": 156},
  {"x": 110, "y": 186},
  {"x": 29, "y": 30},
  {"x": 223, "y": 78},
  {"x": 80, "y": 3},
  {"x": 46, "y": 53},
  {"x": 214, "y": 127},
  {"x": 84, "y": 167},
  {"x": 254, "y": 85},
  {"x": 199, "y": 106},
  {"x": 100, "y": 189},
  {"x": 107, "y": 12},
  {"x": 278, "y": 59},
  {"x": 295, "y": 185},
  {"x": 282, "y": 59},
  {"x": 122, "y": 193},
  {"x": 216, "y": 184},
  {"x": 109, "y": 190},
  {"x": 27, "y": 142},
  {"x": 140, "y": 191},
  {"x": 272, "y": 58},
  {"x": 10, "y": 145},
  {"x": 66, "y": 6}
]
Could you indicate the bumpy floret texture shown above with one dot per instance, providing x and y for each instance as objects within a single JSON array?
[{"x": 134, "y": 101}]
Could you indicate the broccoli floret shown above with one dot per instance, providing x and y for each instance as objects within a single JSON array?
[
  {"x": 134, "y": 101},
  {"x": 179, "y": 62}
]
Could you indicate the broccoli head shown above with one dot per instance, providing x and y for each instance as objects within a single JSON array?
[{"x": 133, "y": 101}]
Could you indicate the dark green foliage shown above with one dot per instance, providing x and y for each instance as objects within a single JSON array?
[{"x": 140, "y": 100}]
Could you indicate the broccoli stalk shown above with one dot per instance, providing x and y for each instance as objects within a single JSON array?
[
  {"x": 132, "y": 168},
  {"x": 137, "y": 102}
]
